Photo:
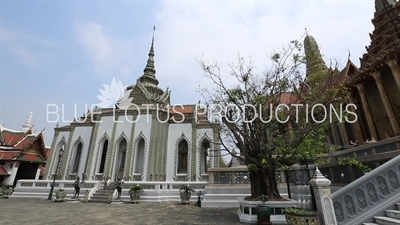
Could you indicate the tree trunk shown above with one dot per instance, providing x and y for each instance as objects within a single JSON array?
[{"x": 263, "y": 182}]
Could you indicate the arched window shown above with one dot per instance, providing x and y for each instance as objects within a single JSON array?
[
  {"x": 78, "y": 153},
  {"x": 58, "y": 159},
  {"x": 103, "y": 156},
  {"x": 183, "y": 157},
  {"x": 139, "y": 157},
  {"x": 121, "y": 151},
  {"x": 205, "y": 147}
]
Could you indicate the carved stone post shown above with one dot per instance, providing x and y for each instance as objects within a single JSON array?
[
  {"x": 394, "y": 66},
  {"x": 386, "y": 102},
  {"x": 367, "y": 111},
  {"x": 323, "y": 197}
]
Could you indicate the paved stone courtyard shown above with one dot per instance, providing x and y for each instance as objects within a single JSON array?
[{"x": 39, "y": 211}]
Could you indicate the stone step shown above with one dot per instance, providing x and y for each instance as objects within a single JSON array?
[
  {"x": 99, "y": 197},
  {"x": 370, "y": 224},
  {"x": 382, "y": 220},
  {"x": 99, "y": 201},
  {"x": 104, "y": 191},
  {"x": 101, "y": 194},
  {"x": 395, "y": 214},
  {"x": 109, "y": 188}
]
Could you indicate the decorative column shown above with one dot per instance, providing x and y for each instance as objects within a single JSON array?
[
  {"x": 367, "y": 113},
  {"x": 357, "y": 133},
  {"x": 323, "y": 197},
  {"x": 386, "y": 103},
  {"x": 344, "y": 134},
  {"x": 14, "y": 171},
  {"x": 39, "y": 169},
  {"x": 335, "y": 134},
  {"x": 394, "y": 66}
]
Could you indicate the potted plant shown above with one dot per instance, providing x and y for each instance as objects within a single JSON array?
[
  {"x": 263, "y": 211},
  {"x": 60, "y": 195},
  {"x": 7, "y": 190},
  {"x": 185, "y": 193},
  {"x": 296, "y": 216},
  {"x": 135, "y": 192}
]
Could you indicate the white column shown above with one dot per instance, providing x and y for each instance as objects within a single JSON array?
[
  {"x": 14, "y": 170},
  {"x": 38, "y": 172},
  {"x": 323, "y": 197}
]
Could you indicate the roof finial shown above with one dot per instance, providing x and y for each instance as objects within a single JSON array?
[
  {"x": 27, "y": 125},
  {"x": 154, "y": 30},
  {"x": 149, "y": 70},
  {"x": 306, "y": 30}
]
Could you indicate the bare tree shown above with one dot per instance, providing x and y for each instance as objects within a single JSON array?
[{"x": 271, "y": 118}]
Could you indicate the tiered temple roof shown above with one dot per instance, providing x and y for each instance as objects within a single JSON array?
[
  {"x": 22, "y": 146},
  {"x": 385, "y": 39}
]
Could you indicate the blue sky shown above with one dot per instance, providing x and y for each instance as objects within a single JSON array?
[{"x": 63, "y": 52}]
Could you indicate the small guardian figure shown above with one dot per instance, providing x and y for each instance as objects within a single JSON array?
[
  {"x": 77, "y": 186},
  {"x": 119, "y": 184}
]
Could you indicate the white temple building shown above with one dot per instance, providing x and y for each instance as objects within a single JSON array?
[{"x": 143, "y": 138}]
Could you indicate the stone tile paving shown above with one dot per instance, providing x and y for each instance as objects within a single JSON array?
[{"x": 39, "y": 211}]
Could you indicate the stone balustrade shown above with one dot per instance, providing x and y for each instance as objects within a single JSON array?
[
  {"x": 373, "y": 155},
  {"x": 153, "y": 191},
  {"x": 41, "y": 188},
  {"x": 164, "y": 186},
  {"x": 368, "y": 195}
]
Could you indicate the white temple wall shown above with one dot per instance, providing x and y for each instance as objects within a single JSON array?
[
  {"x": 61, "y": 142},
  {"x": 104, "y": 130},
  {"x": 123, "y": 130},
  {"x": 80, "y": 134},
  {"x": 142, "y": 128},
  {"x": 175, "y": 132}
]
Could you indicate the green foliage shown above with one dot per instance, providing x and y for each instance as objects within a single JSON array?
[
  {"x": 354, "y": 162},
  {"x": 136, "y": 188},
  {"x": 222, "y": 163},
  {"x": 186, "y": 188},
  {"x": 274, "y": 144},
  {"x": 299, "y": 211},
  {"x": 6, "y": 186},
  {"x": 276, "y": 57},
  {"x": 252, "y": 167}
]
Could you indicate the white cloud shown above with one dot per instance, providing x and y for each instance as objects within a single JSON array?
[
  {"x": 221, "y": 29},
  {"x": 22, "y": 44},
  {"x": 12, "y": 41},
  {"x": 109, "y": 55}
]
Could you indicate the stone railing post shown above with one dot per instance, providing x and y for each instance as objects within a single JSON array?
[{"x": 323, "y": 197}]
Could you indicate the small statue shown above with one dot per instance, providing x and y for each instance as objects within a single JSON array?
[
  {"x": 119, "y": 184},
  {"x": 355, "y": 144},
  {"x": 107, "y": 182},
  {"x": 77, "y": 186}
]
